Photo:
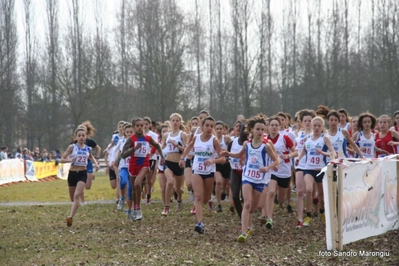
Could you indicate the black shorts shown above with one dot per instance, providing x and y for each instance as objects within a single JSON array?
[
  {"x": 211, "y": 175},
  {"x": 112, "y": 175},
  {"x": 224, "y": 169},
  {"x": 314, "y": 173},
  {"x": 174, "y": 167},
  {"x": 281, "y": 182},
  {"x": 75, "y": 176},
  {"x": 189, "y": 162},
  {"x": 153, "y": 163}
]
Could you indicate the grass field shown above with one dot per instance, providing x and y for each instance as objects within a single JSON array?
[{"x": 100, "y": 235}]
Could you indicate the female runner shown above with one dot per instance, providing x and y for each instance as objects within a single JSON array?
[
  {"x": 149, "y": 184},
  {"x": 305, "y": 116},
  {"x": 205, "y": 146},
  {"x": 259, "y": 153},
  {"x": 222, "y": 170},
  {"x": 175, "y": 142},
  {"x": 281, "y": 176},
  {"x": 78, "y": 155},
  {"x": 136, "y": 147},
  {"x": 123, "y": 166},
  {"x": 187, "y": 169},
  {"x": 343, "y": 118},
  {"x": 315, "y": 150},
  {"x": 93, "y": 145},
  {"x": 386, "y": 141},
  {"x": 364, "y": 137}
]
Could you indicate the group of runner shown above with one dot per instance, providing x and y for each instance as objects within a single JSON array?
[{"x": 255, "y": 164}]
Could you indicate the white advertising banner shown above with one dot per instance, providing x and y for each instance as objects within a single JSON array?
[
  {"x": 63, "y": 170},
  {"x": 11, "y": 170},
  {"x": 369, "y": 200},
  {"x": 30, "y": 170}
]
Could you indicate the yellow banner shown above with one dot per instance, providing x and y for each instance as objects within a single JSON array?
[{"x": 45, "y": 169}]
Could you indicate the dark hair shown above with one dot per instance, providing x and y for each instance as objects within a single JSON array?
[
  {"x": 137, "y": 120},
  {"x": 194, "y": 118},
  {"x": 270, "y": 119},
  {"x": 282, "y": 114},
  {"x": 343, "y": 111},
  {"x": 147, "y": 119},
  {"x": 219, "y": 122},
  {"x": 364, "y": 115},
  {"x": 322, "y": 110},
  {"x": 204, "y": 112},
  {"x": 394, "y": 114},
  {"x": 333, "y": 113},
  {"x": 243, "y": 134},
  {"x": 253, "y": 121},
  {"x": 306, "y": 112},
  {"x": 208, "y": 118}
]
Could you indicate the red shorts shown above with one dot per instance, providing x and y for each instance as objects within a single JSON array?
[{"x": 135, "y": 170}]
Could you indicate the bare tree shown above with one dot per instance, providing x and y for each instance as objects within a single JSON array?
[{"x": 9, "y": 100}]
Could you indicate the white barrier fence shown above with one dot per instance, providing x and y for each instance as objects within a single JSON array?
[
  {"x": 361, "y": 200},
  {"x": 11, "y": 171}
]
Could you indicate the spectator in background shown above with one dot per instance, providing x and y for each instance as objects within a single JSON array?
[
  {"x": 4, "y": 153},
  {"x": 45, "y": 157},
  {"x": 36, "y": 155},
  {"x": 26, "y": 154},
  {"x": 18, "y": 154}
]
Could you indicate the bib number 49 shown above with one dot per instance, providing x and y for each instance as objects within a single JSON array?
[{"x": 315, "y": 160}]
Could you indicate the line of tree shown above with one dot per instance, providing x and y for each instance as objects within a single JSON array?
[{"x": 230, "y": 57}]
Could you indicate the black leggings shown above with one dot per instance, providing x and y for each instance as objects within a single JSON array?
[{"x": 235, "y": 185}]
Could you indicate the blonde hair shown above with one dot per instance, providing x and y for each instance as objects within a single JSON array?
[
  {"x": 178, "y": 115},
  {"x": 318, "y": 118}
]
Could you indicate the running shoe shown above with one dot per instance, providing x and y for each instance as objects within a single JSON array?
[
  {"x": 148, "y": 201},
  {"x": 139, "y": 215},
  {"x": 323, "y": 218},
  {"x": 269, "y": 223},
  {"x": 119, "y": 207},
  {"x": 134, "y": 215},
  {"x": 289, "y": 209},
  {"x": 190, "y": 195},
  {"x": 219, "y": 208},
  {"x": 223, "y": 196},
  {"x": 306, "y": 221},
  {"x": 82, "y": 203},
  {"x": 179, "y": 206},
  {"x": 293, "y": 190},
  {"x": 129, "y": 215},
  {"x": 262, "y": 219},
  {"x": 210, "y": 204},
  {"x": 69, "y": 221},
  {"x": 165, "y": 211},
  {"x": 199, "y": 228},
  {"x": 242, "y": 238},
  {"x": 250, "y": 231},
  {"x": 193, "y": 212},
  {"x": 232, "y": 209},
  {"x": 299, "y": 225}
]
